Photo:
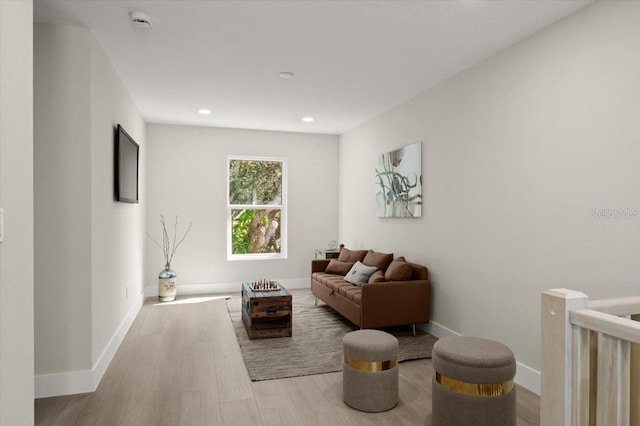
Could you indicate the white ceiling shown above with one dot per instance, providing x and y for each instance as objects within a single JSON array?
[{"x": 352, "y": 59}]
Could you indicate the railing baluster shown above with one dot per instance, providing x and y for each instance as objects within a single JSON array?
[
  {"x": 613, "y": 381},
  {"x": 580, "y": 380},
  {"x": 593, "y": 376},
  {"x": 635, "y": 380}
]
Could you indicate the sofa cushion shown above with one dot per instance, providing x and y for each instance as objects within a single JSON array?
[
  {"x": 377, "y": 277},
  {"x": 398, "y": 270},
  {"x": 338, "y": 267},
  {"x": 360, "y": 273},
  {"x": 347, "y": 255},
  {"x": 340, "y": 287},
  {"x": 327, "y": 279},
  {"x": 379, "y": 260},
  {"x": 353, "y": 293}
]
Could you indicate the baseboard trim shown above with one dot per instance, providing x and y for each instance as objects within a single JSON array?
[
  {"x": 74, "y": 382},
  {"x": 224, "y": 287},
  {"x": 59, "y": 384},
  {"x": 438, "y": 330},
  {"x": 526, "y": 376}
]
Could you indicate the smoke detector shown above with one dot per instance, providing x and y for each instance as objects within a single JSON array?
[{"x": 140, "y": 19}]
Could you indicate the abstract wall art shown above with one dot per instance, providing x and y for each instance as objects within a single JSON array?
[{"x": 398, "y": 183}]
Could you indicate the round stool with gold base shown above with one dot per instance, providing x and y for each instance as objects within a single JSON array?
[
  {"x": 370, "y": 370},
  {"x": 473, "y": 383}
]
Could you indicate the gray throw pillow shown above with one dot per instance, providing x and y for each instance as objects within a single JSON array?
[{"x": 359, "y": 274}]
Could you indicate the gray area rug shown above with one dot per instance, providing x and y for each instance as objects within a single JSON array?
[{"x": 316, "y": 345}]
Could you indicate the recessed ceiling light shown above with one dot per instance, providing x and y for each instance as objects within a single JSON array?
[
  {"x": 307, "y": 119},
  {"x": 140, "y": 19},
  {"x": 204, "y": 112},
  {"x": 286, "y": 75}
]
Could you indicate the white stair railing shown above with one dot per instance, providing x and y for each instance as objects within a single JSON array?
[{"x": 590, "y": 360}]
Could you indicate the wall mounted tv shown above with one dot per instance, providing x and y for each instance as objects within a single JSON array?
[{"x": 126, "y": 167}]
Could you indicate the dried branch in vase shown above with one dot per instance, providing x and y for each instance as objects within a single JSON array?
[{"x": 167, "y": 246}]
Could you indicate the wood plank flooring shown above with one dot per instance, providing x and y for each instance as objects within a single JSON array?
[{"x": 180, "y": 364}]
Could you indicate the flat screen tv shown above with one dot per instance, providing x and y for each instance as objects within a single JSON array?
[{"x": 126, "y": 167}]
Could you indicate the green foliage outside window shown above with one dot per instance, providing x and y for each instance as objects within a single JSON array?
[
  {"x": 255, "y": 182},
  {"x": 255, "y": 231},
  {"x": 240, "y": 239}
]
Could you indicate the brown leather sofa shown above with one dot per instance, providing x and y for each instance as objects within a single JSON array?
[{"x": 384, "y": 301}]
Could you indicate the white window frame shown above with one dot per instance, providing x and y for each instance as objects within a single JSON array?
[{"x": 283, "y": 212}]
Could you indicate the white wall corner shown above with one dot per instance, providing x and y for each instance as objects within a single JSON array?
[{"x": 74, "y": 382}]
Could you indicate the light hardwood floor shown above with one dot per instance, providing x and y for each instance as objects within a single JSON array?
[{"x": 180, "y": 364}]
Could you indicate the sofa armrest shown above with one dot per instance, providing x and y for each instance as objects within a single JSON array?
[
  {"x": 395, "y": 303},
  {"x": 319, "y": 265}
]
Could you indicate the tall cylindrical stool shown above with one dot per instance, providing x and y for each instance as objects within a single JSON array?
[
  {"x": 473, "y": 383},
  {"x": 370, "y": 370}
]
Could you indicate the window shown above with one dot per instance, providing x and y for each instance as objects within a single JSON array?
[{"x": 256, "y": 208}]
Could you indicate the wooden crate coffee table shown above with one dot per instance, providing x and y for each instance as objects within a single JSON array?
[{"x": 266, "y": 314}]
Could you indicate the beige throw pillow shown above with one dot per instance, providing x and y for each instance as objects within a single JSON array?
[{"x": 360, "y": 273}]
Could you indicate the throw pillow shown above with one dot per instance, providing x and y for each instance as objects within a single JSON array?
[
  {"x": 379, "y": 260},
  {"x": 398, "y": 271},
  {"x": 347, "y": 255},
  {"x": 360, "y": 273},
  {"x": 337, "y": 267},
  {"x": 377, "y": 277}
]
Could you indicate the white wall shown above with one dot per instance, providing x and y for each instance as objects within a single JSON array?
[
  {"x": 117, "y": 245},
  {"x": 517, "y": 151},
  {"x": 89, "y": 249},
  {"x": 62, "y": 173},
  {"x": 16, "y": 198},
  {"x": 186, "y": 175}
]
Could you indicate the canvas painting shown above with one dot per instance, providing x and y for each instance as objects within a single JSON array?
[{"x": 399, "y": 182}]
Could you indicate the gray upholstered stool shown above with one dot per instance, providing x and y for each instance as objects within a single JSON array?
[
  {"x": 370, "y": 370},
  {"x": 473, "y": 383}
]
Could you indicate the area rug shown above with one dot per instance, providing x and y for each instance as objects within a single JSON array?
[{"x": 316, "y": 344}]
